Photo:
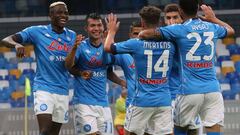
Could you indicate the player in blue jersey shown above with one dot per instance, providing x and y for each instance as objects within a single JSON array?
[
  {"x": 152, "y": 102},
  {"x": 200, "y": 91},
  {"x": 92, "y": 113},
  {"x": 172, "y": 16},
  {"x": 126, "y": 62},
  {"x": 51, "y": 44}
]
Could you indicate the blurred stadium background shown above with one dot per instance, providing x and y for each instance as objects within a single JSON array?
[{"x": 15, "y": 15}]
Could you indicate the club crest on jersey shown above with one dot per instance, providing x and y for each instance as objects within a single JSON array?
[{"x": 58, "y": 47}]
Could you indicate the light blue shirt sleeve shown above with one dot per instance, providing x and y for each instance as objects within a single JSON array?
[
  {"x": 128, "y": 46},
  {"x": 171, "y": 32},
  {"x": 221, "y": 31}
]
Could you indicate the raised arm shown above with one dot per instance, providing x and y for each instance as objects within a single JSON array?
[
  {"x": 112, "y": 25},
  {"x": 209, "y": 16},
  {"x": 13, "y": 41},
  {"x": 70, "y": 59}
]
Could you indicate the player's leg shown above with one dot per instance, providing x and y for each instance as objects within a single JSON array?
[
  {"x": 137, "y": 119},
  {"x": 85, "y": 119},
  {"x": 213, "y": 113},
  {"x": 104, "y": 121},
  {"x": 44, "y": 123},
  {"x": 43, "y": 107},
  {"x": 187, "y": 109},
  {"x": 60, "y": 113},
  {"x": 161, "y": 121}
]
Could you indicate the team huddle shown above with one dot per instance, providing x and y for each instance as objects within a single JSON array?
[{"x": 169, "y": 70}]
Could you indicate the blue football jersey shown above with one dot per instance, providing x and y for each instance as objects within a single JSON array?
[
  {"x": 126, "y": 62},
  {"x": 51, "y": 50},
  {"x": 174, "y": 78},
  {"x": 153, "y": 62},
  {"x": 196, "y": 40},
  {"x": 92, "y": 91}
]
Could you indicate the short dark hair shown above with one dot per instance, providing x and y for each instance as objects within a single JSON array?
[
  {"x": 150, "y": 14},
  {"x": 94, "y": 16},
  {"x": 135, "y": 24},
  {"x": 189, "y": 7},
  {"x": 171, "y": 8}
]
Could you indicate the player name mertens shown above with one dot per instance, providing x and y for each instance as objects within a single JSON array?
[{"x": 157, "y": 45}]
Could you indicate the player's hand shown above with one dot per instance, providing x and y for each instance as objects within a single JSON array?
[
  {"x": 112, "y": 23},
  {"x": 87, "y": 74},
  {"x": 209, "y": 15},
  {"x": 78, "y": 40},
  {"x": 20, "y": 50}
]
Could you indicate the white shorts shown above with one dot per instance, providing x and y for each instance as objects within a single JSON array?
[
  {"x": 158, "y": 119},
  {"x": 209, "y": 107},
  {"x": 90, "y": 119},
  {"x": 48, "y": 103}
]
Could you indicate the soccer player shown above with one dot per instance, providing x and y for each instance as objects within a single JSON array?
[
  {"x": 92, "y": 114},
  {"x": 152, "y": 102},
  {"x": 51, "y": 44},
  {"x": 126, "y": 62},
  {"x": 200, "y": 91},
  {"x": 172, "y": 16}
]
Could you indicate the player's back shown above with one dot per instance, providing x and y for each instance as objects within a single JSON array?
[
  {"x": 153, "y": 63},
  {"x": 196, "y": 41}
]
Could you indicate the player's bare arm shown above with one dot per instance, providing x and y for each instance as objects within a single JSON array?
[
  {"x": 209, "y": 16},
  {"x": 150, "y": 34},
  {"x": 112, "y": 25},
  {"x": 114, "y": 78},
  {"x": 70, "y": 59},
  {"x": 12, "y": 42}
]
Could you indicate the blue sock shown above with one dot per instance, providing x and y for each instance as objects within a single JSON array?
[
  {"x": 214, "y": 133},
  {"x": 179, "y": 132}
]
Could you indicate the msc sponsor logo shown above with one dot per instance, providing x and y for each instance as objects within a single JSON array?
[
  {"x": 57, "y": 58},
  {"x": 99, "y": 74}
]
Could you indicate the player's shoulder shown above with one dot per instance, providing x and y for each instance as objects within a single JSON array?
[
  {"x": 36, "y": 27},
  {"x": 69, "y": 31}
]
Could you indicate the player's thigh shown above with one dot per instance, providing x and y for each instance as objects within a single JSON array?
[
  {"x": 161, "y": 121},
  {"x": 85, "y": 119},
  {"x": 187, "y": 108},
  {"x": 43, "y": 102},
  {"x": 137, "y": 119},
  {"x": 105, "y": 121},
  {"x": 213, "y": 109},
  {"x": 60, "y": 112}
]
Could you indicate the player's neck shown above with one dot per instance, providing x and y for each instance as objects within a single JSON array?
[
  {"x": 95, "y": 42},
  {"x": 56, "y": 29}
]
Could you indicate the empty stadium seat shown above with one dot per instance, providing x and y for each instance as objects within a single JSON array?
[
  {"x": 9, "y": 55},
  {"x": 3, "y": 63},
  {"x": 10, "y": 77},
  {"x": 235, "y": 57},
  {"x": 228, "y": 40},
  {"x": 4, "y": 49},
  {"x": 227, "y": 67},
  {"x": 4, "y": 83},
  {"x": 13, "y": 60},
  {"x": 10, "y": 66},
  {"x": 34, "y": 66},
  {"x": 237, "y": 66},
  {"x": 16, "y": 72},
  {"x": 27, "y": 59},
  {"x": 3, "y": 73},
  {"x": 17, "y": 94},
  {"x": 23, "y": 65}
]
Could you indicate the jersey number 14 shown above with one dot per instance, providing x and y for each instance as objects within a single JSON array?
[{"x": 162, "y": 59}]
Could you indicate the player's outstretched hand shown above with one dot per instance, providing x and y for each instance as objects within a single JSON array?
[
  {"x": 112, "y": 23},
  {"x": 78, "y": 40},
  {"x": 209, "y": 15},
  {"x": 20, "y": 50},
  {"x": 87, "y": 74}
]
